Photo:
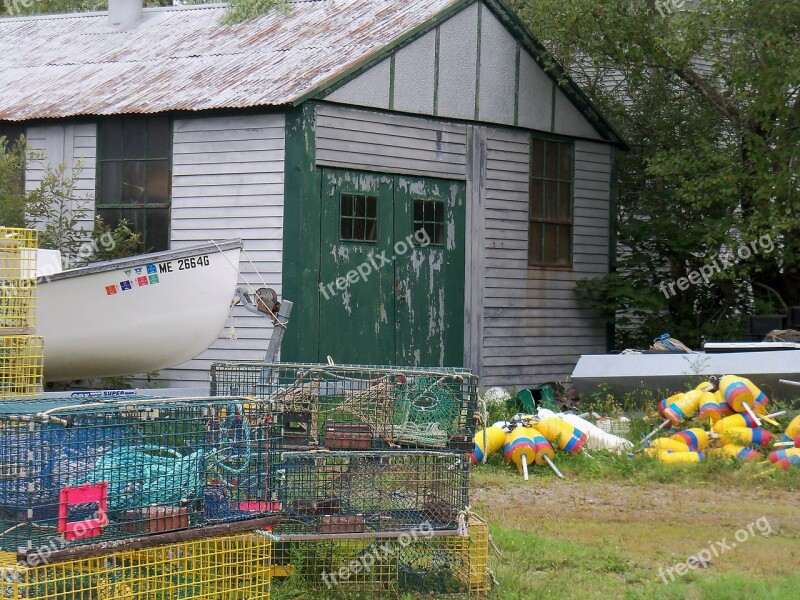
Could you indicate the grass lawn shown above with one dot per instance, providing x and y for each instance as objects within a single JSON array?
[{"x": 613, "y": 523}]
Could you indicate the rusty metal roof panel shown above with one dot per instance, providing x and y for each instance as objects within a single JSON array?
[{"x": 184, "y": 59}]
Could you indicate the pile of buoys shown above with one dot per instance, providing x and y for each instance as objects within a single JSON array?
[
  {"x": 528, "y": 440},
  {"x": 734, "y": 408}
]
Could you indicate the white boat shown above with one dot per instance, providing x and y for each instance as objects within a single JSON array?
[
  {"x": 137, "y": 314},
  {"x": 664, "y": 373}
]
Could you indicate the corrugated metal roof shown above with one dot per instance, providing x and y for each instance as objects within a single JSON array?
[{"x": 183, "y": 59}]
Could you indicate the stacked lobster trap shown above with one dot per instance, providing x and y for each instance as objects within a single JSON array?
[
  {"x": 99, "y": 473},
  {"x": 366, "y": 452},
  {"x": 21, "y": 350},
  {"x": 229, "y": 567}
]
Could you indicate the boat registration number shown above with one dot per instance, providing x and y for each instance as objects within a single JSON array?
[{"x": 192, "y": 263}]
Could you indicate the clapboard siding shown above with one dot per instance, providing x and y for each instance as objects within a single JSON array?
[
  {"x": 472, "y": 68},
  {"x": 373, "y": 141},
  {"x": 534, "y": 325},
  {"x": 227, "y": 182},
  {"x": 72, "y": 144}
]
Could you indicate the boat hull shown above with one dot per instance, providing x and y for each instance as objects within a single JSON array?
[
  {"x": 136, "y": 315},
  {"x": 665, "y": 373}
]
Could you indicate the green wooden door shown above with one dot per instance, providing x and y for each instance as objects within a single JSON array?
[
  {"x": 429, "y": 312},
  {"x": 391, "y": 269}
]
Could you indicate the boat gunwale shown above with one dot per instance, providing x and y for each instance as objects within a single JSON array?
[{"x": 122, "y": 263}]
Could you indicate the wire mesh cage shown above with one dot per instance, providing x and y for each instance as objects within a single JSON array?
[
  {"x": 345, "y": 407},
  {"x": 369, "y": 491},
  {"x": 17, "y": 279},
  {"x": 108, "y": 470},
  {"x": 21, "y": 366},
  {"x": 418, "y": 562},
  {"x": 234, "y": 567}
]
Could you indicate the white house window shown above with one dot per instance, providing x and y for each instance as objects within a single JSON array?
[
  {"x": 133, "y": 172},
  {"x": 551, "y": 203}
]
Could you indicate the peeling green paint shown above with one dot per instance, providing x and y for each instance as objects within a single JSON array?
[{"x": 301, "y": 235}]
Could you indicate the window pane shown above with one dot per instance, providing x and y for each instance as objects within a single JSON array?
[
  {"x": 347, "y": 205},
  {"x": 158, "y": 182},
  {"x": 537, "y": 199},
  {"x": 564, "y": 250},
  {"x": 134, "y": 181},
  {"x": 111, "y": 139},
  {"x": 135, "y": 136},
  {"x": 361, "y": 206},
  {"x": 550, "y": 200},
  {"x": 359, "y": 231},
  {"x": 110, "y": 183},
  {"x": 535, "y": 244},
  {"x": 551, "y": 160},
  {"x": 346, "y": 232},
  {"x": 158, "y": 136},
  {"x": 372, "y": 207},
  {"x": 564, "y": 201},
  {"x": 550, "y": 250},
  {"x": 156, "y": 229},
  {"x": 565, "y": 162},
  {"x": 537, "y": 158}
]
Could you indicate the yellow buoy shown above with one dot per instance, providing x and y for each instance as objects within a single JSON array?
[
  {"x": 670, "y": 445},
  {"x": 493, "y": 437},
  {"x": 562, "y": 434},
  {"x": 695, "y": 438},
  {"x": 679, "y": 458}
]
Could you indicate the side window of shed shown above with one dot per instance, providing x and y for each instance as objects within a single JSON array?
[
  {"x": 550, "y": 214},
  {"x": 134, "y": 175}
]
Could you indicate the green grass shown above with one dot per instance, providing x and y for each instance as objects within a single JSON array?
[{"x": 607, "y": 529}]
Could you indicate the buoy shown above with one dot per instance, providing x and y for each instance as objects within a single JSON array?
[
  {"x": 733, "y": 421},
  {"x": 695, "y": 438},
  {"x": 746, "y": 436},
  {"x": 709, "y": 408},
  {"x": 684, "y": 407},
  {"x": 520, "y": 448},
  {"x": 737, "y": 452},
  {"x": 494, "y": 437},
  {"x": 792, "y": 430},
  {"x": 680, "y": 458},
  {"x": 785, "y": 458},
  {"x": 739, "y": 395},
  {"x": 789, "y": 443},
  {"x": 560, "y": 433},
  {"x": 670, "y": 445}
]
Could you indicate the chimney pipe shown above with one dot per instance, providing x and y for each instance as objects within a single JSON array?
[{"x": 124, "y": 13}]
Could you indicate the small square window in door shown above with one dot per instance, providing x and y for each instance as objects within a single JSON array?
[
  {"x": 358, "y": 218},
  {"x": 429, "y": 217}
]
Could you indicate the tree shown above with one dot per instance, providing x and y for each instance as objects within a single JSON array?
[{"x": 709, "y": 100}]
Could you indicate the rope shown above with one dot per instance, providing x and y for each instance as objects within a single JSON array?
[
  {"x": 665, "y": 342},
  {"x": 149, "y": 474}
]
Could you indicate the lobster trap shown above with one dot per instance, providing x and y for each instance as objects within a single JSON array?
[
  {"x": 370, "y": 491},
  {"x": 360, "y": 408},
  {"x": 107, "y": 470},
  {"x": 388, "y": 566},
  {"x": 17, "y": 280},
  {"x": 21, "y": 366},
  {"x": 234, "y": 567}
]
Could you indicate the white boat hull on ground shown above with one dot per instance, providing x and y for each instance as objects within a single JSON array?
[
  {"x": 136, "y": 315},
  {"x": 666, "y": 373}
]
